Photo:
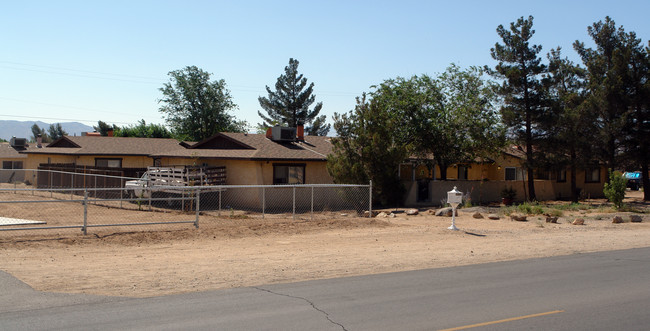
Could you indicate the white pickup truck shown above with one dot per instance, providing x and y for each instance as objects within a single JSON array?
[{"x": 164, "y": 179}]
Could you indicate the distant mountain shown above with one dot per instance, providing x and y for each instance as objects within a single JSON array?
[{"x": 23, "y": 129}]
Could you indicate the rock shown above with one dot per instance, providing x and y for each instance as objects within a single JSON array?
[
  {"x": 382, "y": 215},
  {"x": 477, "y": 215},
  {"x": 431, "y": 211},
  {"x": 617, "y": 219},
  {"x": 518, "y": 217},
  {"x": 374, "y": 213},
  {"x": 344, "y": 215},
  {"x": 636, "y": 219},
  {"x": 391, "y": 215},
  {"x": 578, "y": 221},
  {"x": 412, "y": 212},
  {"x": 551, "y": 219},
  {"x": 494, "y": 217},
  {"x": 445, "y": 212}
]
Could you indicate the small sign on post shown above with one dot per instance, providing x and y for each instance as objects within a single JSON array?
[{"x": 454, "y": 198}]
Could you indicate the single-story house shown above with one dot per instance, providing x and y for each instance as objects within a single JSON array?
[
  {"x": 249, "y": 159},
  {"x": 484, "y": 179},
  {"x": 13, "y": 161}
]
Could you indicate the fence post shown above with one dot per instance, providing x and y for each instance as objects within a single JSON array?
[
  {"x": 85, "y": 228},
  {"x": 72, "y": 187},
  {"x": 50, "y": 183},
  {"x": 220, "y": 190},
  {"x": 198, "y": 199},
  {"x": 294, "y": 202},
  {"x": 370, "y": 199},
  {"x": 121, "y": 191},
  {"x": 312, "y": 203},
  {"x": 263, "y": 200}
]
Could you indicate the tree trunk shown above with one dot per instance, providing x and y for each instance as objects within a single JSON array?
[
  {"x": 574, "y": 185},
  {"x": 646, "y": 181},
  {"x": 443, "y": 171}
]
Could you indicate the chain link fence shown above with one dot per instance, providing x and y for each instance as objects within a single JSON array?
[{"x": 88, "y": 207}]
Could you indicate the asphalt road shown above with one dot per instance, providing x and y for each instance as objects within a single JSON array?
[{"x": 596, "y": 291}]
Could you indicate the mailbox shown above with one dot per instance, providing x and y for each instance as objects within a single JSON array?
[{"x": 454, "y": 197}]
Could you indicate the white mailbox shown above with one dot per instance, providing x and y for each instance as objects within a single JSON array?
[{"x": 454, "y": 197}]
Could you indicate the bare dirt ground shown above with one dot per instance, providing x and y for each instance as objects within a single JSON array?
[{"x": 244, "y": 252}]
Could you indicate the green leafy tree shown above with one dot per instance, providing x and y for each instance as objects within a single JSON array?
[
  {"x": 143, "y": 130},
  {"x": 614, "y": 190},
  {"x": 103, "y": 128},
  {"x": 365, "y": 150},
  {"x": 289, "y": 103},
  {"x": 56, "y": 131},
  {"x": 520, "y": 70},
  {"x": 196, "y": 107},
  {"x": 36, "y": 131},
  {"x": 451, "y": 117}
]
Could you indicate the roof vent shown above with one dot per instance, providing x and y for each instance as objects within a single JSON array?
[
  {"x": 18, "y": 142},
  {"x": 280, "y": 133}
]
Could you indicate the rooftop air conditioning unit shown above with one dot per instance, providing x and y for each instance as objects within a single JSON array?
[
  {"x": 18, "y": 142},
  {"x": 283, "y": 134}
]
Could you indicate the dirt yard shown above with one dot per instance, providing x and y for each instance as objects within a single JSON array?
[{"x": 244, "y": 252}]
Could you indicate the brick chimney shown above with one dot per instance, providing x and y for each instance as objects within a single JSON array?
[
  {"x": 109, "y": 132},
  {"x": 300, "y": 132},
  {"x": 39, "y": 141},
  {"x": 269, "y": 133}
]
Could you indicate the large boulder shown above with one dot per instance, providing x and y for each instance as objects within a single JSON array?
[
  {"x": 551, "y": 219},
  {"x": 477, "y": 215},
  {"x": 448, "y": 211},
  {"x": 412, "y": 212},
  {"x": 494, "y": 217},
  {"x": 578, "y": 221},
  {"x": 617, "y": 220},
  {"x": 367, "y": 213},
  {"x": 636, "y": 219},
  {"x": 518, "y": 217}
]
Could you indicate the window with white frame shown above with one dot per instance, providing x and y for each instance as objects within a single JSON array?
[
  {"x": 288, "y": 174},
  {"x": 108, "y": 163},
  {"x": 592, "y": 175},
  {"x": 12, "y": 164}
]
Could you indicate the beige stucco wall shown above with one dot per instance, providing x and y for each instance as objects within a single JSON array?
[{"x": 247, "y": 172}]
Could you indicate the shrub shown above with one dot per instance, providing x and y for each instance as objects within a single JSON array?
[{"x": 615, "y": 189}]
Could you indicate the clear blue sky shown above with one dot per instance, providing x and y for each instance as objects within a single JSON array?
[{"x": 105, "y": 60}]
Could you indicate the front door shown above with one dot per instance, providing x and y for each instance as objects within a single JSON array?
[{"x": 423, "y": 190}]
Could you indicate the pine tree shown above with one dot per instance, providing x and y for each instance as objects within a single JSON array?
[
  {"x": 289, "y": 103},
  {"x": 520, "y": 69},
  {"x": 570, "y": 125}
]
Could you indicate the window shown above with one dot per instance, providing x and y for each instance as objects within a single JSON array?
[
  {"x": 12, "y": 164},
  {"x": 592, "y": 175},
  {"x": 541, "y": 174},
  {"x": 108, "y": 163},
  {"x": 462, "y": 172},
  {"x": 288, "y": 174},
  {"x": 561, "y": 176},
  {"x": 513, "y": 173}
]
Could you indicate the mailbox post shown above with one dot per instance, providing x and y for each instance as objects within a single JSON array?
[{"x": 454, "y": 198}]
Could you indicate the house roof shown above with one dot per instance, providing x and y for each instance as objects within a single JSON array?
[
  {"x": 219, "y": 146},
  {"x": 93, "y": 145},
  {"x": 8, "y": 152},
  {"x": 246, "y": 146}
]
